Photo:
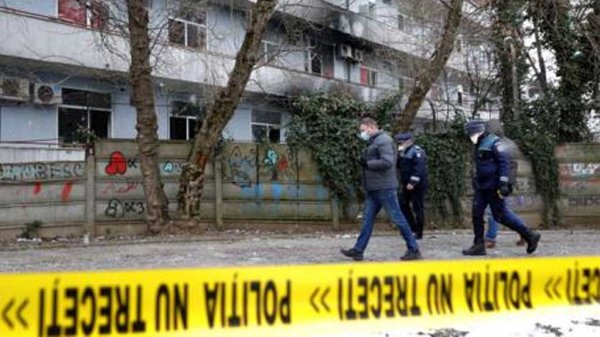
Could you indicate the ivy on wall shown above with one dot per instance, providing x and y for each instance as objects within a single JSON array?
[{"x": 448, "y": 155}]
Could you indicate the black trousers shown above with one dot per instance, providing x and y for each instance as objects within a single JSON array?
[{"x": 411, "y": 204}]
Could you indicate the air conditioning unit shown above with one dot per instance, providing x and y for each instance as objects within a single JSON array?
[
  {"x": 14, "y": 89},
  {"x": 47, "y": 94},
  {"x": 344, "y": 51},
  {"x": 358, "y": 55}
]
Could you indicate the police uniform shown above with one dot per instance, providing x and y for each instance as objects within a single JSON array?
[
  {"x": 491, "y": 186},
  {"x": 412, "y": 165}
]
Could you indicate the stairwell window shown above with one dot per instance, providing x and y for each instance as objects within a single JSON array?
[
  {"x": 83, "y": 112},
  {"x": 189, "y": 30}
]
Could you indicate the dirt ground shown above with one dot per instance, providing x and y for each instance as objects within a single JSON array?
[{"x": 247, "y": 247}]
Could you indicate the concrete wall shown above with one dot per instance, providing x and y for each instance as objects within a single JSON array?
[
  {"x": 579, "y": 183},
  {"x": 248, "y": 182}
]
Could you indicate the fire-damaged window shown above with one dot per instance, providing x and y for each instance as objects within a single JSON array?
[
  {"x": 189, "y": 30},
  {"x": 83, "y": 113},
  {"x": 90, "y": 13},
  {"x": 266, "y": 125},
  {"x": 184, "y": 120},
  {"x": 319, "y": 58}
]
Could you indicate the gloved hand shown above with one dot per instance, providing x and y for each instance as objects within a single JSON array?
[
  {"x": 504, "y": 190},
  {"x": 363, "y": 162}
]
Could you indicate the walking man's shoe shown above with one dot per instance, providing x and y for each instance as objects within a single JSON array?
[
  {"x": 352, "y": 253},
  {"x": 477, "y": 249},
  {"x": 532, "y": 241},
  {"x": 490, "y": 243},
  {"x": 411, "y": 255}
]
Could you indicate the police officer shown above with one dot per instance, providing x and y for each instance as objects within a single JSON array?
[
  {"x": 412, "y": 165},
  {"x": 491, "y": 186}
]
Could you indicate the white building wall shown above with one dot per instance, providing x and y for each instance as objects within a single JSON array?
[{"x": 28, "y": 123}]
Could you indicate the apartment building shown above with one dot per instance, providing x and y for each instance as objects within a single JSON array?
[{"x": 64, "y": 63}]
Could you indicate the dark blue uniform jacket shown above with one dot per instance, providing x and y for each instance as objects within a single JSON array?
[
  {"x": 412, "y": 164},
  {"x": 492, "y": 164}
]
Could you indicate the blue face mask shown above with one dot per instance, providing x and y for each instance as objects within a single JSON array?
[{"x": 364, "y": 136}]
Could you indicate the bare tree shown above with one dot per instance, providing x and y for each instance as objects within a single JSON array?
[
  {"x": 425, "y": 80},
  {"x": 140, "y": 75},
  {"x": 220, "y": 111}
]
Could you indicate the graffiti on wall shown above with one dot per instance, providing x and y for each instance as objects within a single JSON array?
[
  {"x": 584, "y": 201},
  {"x": 112, "y": 188},
  {"x": 276, "y": 166},
  {"x": 41, "y": 171},
  {"x": 239, "y": 166},
  {"x": 41, "y": 190},
  {"x": 118, "y": 209},
  {"x": 580, "y": 169},
  {"x": 118, "y": 164}
]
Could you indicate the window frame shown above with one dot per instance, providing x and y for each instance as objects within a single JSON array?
[
  {"x": 88, "y": 12},
  {"x": 88, "y": 109},
  {"x": 190, "y": 134},
  {"x": 186, "y": 23},
  {"x": 267, "y": 58},
  {"x": 269, "y": 126},
  {"x": 372, "y": 76}
]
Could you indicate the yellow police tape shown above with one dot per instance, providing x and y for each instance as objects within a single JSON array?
[{"x": 288, "y": 300}]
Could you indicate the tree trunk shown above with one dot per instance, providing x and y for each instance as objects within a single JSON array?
[
  {"x": 219, "y": 112},
  {"x": 425, "y": 80},
  {"x": 140, "y": 74}
]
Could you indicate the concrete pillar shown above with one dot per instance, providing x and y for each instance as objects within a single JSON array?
[
  {"x": 335, "y": 212},
  {"x": 218, "y": 193},
  {"x": 90, "y": 191}
]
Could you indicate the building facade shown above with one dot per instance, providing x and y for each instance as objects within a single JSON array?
[{"x": 64, "y": 63}]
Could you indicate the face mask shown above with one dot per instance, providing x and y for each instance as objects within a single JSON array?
[
  {"x": 401, "y": 147},
  {"x": 475, "y": 137},
  {"x": 364, "y": 136}
]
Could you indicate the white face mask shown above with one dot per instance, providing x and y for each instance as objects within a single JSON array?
[
  {"x": 364, "y": 136},
  {"x": 401, "y": 147},
  {"x": 475, "y": 137}
]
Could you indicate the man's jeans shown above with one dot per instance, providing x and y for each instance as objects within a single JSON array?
[
  {"x": 492, "y": 231},
  {"x": 388, "y": 199}
]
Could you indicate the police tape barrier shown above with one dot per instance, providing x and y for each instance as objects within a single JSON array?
[{"x": 288, "y": 300}]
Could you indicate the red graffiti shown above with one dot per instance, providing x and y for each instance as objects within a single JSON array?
[
  {"x": 65, "y": 194},
  {"x": 37, "y": 188},
  {"x": 117, "y": 164},
  {"x": 283, "y": 164}
]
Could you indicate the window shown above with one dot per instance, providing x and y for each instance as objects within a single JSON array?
[
  {"x": 401, "y": 22},
  {"x": 266, "y": 125},
  {"x": 368, "y": 77},
  {"x": 319, "y": 59},
  {"x": 83, "y": 112},
  {"x": 459, "y": 97},
  {"x": 270, "y": 51},
  {"x": 92, "y": 13},
  {"x": 183, "y": 122},
  {"x": 189, "y": 31},
  {"x": 348, "y": 71},
  {"x": 387, "y": 2}
]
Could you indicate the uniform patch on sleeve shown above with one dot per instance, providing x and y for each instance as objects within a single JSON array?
[{"x": 500, "y": 146}]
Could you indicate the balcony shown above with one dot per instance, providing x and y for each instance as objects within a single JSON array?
[{"x": 30, "y": 38}]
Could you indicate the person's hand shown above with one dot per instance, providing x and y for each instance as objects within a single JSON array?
[
  {"x": 410, "y": 187},
  {"x": 504, "y": 190}
]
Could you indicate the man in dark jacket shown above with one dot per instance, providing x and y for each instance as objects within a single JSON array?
[
  {"x": 381, "y": 185},
  {"x": 491, "y": 185},
  {"x": 412, "y": 164}
]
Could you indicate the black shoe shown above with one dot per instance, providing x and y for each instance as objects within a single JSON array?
[
  {"x": 353, "y": 253},
  {"x": 477, "y": 249},
  {"x": 532, "y": 241},
  {"x": 411, "y": 255}
]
